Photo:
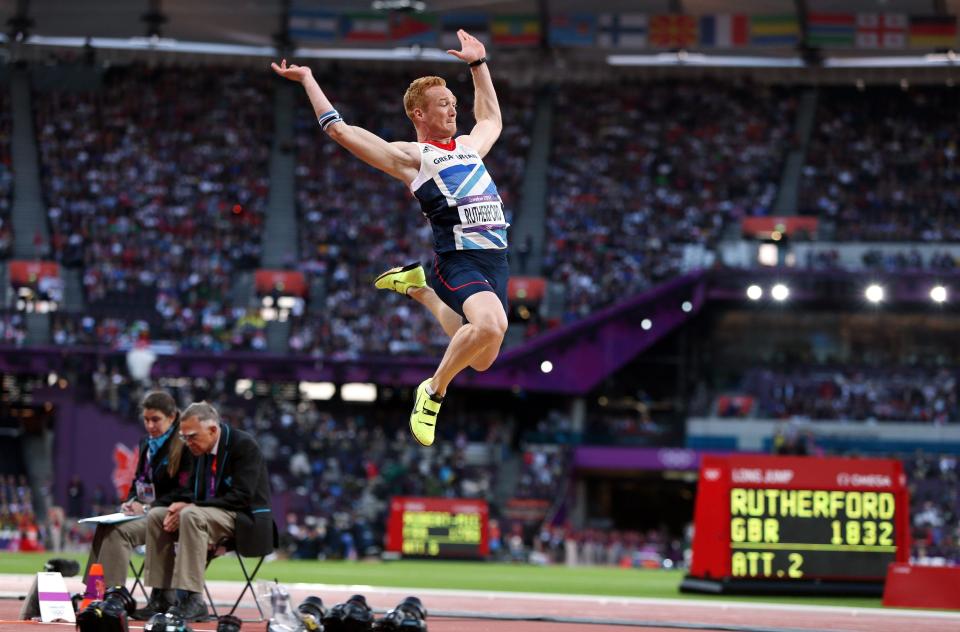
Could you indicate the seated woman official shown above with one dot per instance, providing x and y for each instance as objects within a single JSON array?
[{"x": 163, "y": 469}]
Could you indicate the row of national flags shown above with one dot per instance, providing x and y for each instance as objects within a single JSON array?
[
  {"x": 880, "y": 30},
  {"x": 631, "y": 30}
]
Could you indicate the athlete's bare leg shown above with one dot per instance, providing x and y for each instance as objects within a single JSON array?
[
  {"x": 476, "y": 343},
  {"x": 448, "y": 319},
  {"x": 451, "y": 323}
]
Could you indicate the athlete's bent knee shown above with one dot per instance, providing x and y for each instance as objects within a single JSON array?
[
  {"x": 493, "y": 327},
  {"x": 491, "y": 332}
]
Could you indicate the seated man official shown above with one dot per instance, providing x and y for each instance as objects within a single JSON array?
[{"x": 229, "y": 498}]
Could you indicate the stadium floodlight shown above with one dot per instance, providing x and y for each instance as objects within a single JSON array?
[
  {"x": 242, "y": 386},
  {"x": 754, "y": 292},
  {"x": 317, "y": 390},
  {"x": 646, "y": 324},
  {"x": 546, "y": 366},
  {"x": 874, "y": 293},
  {"x": 938, "y": 294},
  {"x": 780, "y": 292},
  {"x": 358, "y": 392}
]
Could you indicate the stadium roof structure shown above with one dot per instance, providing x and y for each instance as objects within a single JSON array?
[{"x": 254, "y": 22}]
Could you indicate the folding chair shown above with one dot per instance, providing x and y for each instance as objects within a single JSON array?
[
  {"x": 138, "y": 576},
  {"x": 223, "y": 547}
]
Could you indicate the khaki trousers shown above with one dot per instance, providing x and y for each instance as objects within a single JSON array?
[
  {"x": 200, "y": 527},
  {"x": 112, "y": 547}
]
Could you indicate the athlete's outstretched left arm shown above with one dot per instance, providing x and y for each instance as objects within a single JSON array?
[{"x": 486, "y": 108}]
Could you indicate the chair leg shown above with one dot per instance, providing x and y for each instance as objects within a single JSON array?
[
  {"x": 249, "y": 578},
  {"x": 138, "y": 581},
  {"x": 213, "y": 606}
]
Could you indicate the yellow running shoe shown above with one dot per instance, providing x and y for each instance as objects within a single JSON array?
[
  {"x": 423, "y": 419},
  {"x": 402, "y": 279}
]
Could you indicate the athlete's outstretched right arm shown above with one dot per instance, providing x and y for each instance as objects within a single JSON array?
[{"x": 400, "y": 160}]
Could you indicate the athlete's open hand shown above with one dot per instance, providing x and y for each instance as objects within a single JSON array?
[
  {"x": 472, "y": 48},
  {"x": 291, "y": 72}
]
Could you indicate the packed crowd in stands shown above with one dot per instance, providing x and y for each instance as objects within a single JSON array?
[
  {"x": 650, "y": 169},
  {"x": 912, "y": 260},
  {"x": 882, "y": 164},
  {"x": 844, "y": 393},
  {"x": 13, "y": 329},
  {"x": 796, "y": 437},
  {"x": 355, "y": 222},
  {"x": 341, "y": 469},
  {"x": 629, "y": 421},
  {"x": 935, "y": 504},
  {"x": 655, "y": 548},
  {"x": 18, "y": 524},
  {"x": 6, "y": 177},
  {"x": 155, "y": 184},
  {"x": 544, "y": 473},
  {"x": 237, "y": 328}
]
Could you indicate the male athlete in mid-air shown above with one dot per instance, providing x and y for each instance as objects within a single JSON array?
[{"x": 446, "y": 174}]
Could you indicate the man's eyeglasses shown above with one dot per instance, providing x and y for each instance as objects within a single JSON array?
[{"x": 187, "y": 437}]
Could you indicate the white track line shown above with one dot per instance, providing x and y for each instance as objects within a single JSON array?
[{"x": 723, "y": 604}]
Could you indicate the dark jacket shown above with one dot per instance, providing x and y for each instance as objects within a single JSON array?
[
  {"x": 242, "y": 485},
  {"x": 167, "y": 488}
]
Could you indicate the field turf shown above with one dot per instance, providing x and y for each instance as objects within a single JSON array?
[{"x": 599, "y": 580}]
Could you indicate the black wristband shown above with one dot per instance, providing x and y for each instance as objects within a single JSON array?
[{"x": 478, "y": 62}]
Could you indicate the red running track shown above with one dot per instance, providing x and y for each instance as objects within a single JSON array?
[{"x": 708, "y": 614}]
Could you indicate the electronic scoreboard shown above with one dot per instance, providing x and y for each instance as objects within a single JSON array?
[
  {"x": 438, "y": 528},
  {"x": 783, "y": 519}
]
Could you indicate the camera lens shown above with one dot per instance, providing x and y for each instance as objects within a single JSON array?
[
  {"x": 408, "y": 616},
  {"x": 103, "y": 616},
  {"x": 120, "y": 596},
  {"x": 354, "y": 615},
  {"x": 414, "y": 605},
  {"x": 312, "y": 612},
  {"x": 166, "y": 622},
  {"x": 229, "y": 623}
]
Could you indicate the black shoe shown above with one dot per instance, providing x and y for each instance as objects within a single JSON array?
[
  {"x": 191, "y": 608},
  {"x": 158, "y": 603}
]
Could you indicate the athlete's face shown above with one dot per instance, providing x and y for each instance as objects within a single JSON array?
[{"x": 440, "y": 114}]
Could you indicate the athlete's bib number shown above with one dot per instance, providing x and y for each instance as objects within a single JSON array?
[{"x": 482, "y": 213}]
